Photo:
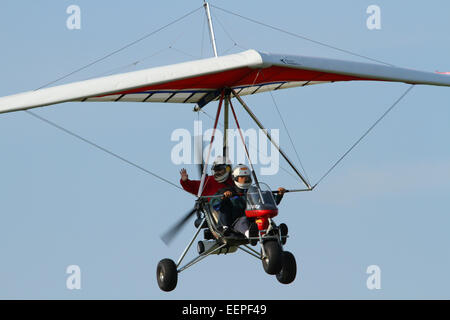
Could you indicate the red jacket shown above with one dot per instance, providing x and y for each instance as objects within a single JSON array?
[{"x": 210, "y": 187}]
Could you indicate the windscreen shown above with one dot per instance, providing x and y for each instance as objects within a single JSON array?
[{"x": 257, "y": 200}]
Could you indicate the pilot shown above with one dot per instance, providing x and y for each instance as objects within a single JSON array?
[{"x": 220, "y": 178}]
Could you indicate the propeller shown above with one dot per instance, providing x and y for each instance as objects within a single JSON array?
[{"x": 170, "y": 234}]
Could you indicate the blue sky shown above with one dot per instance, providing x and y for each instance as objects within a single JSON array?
[{"x": 65, "y": 203}]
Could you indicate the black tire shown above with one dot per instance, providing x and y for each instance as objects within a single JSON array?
[
  {"x": 272, "y": 263},
  {"x": 200, "y": 247},
  {"x": 289, "y": 268},
  {"x": 283, "y": 230},
  {"x": 167, "y": 275}
]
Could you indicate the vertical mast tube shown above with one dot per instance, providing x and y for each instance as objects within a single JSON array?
[{"x": 211, "y": 29}]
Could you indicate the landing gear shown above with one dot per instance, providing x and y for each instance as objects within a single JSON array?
[
  {"x": 167, "y": 275},
  {"x": 289, "y": 268},
  {"x": 272, "y": 257}
]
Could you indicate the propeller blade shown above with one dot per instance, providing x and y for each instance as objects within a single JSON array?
[
  {"x": 199, "y": 146},
  {"x": 170, "y": 234},
  {"x": 200, "y": 169},
  {"x": 199, "y": 157}
]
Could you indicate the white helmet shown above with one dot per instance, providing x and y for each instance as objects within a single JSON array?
[
  {"x": 242, "y": 171},
  {"x": 221, "y": 169}
]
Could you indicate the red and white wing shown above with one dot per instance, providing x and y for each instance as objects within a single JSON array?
[{"x": 200, "y": 81}]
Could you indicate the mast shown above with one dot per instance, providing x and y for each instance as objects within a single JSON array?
[
  {"x": 211, "y": 29},
  {"x": 213, "y": 42},
  {"x": 227, "y": 94}
]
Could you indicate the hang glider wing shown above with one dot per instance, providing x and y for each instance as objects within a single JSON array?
[{"x": 201, "y": 81}]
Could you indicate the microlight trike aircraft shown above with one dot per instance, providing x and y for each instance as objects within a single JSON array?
[{"x": 225, "y": 79}]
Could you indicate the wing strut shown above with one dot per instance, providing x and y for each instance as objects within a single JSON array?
[{"x": 252, "y": 115}]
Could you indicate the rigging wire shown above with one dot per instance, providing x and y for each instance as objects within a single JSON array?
[
  {"x": 133, "y": 64},
  {"x": 227, "y": 33},
  {"x": 290, "y": 138},
  {"x": 365, "y": 133},
  {"x": 101, "y": 148},
  {"x": 203, "y": 36},
  {"x": 139, "y": 61},
  {"x": 302, "y": 37},
  {"x": 93, "y": 63},
  {"x": 183, "y": 52},
  {"x": 120, "y": 49}
]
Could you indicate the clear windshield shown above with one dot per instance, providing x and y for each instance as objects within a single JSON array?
[{"x": 258, "y": 200}]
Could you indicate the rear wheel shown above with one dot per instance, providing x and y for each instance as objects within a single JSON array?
[
  {"x": 167, "y": 275},
  {"x": 272, "y": 262},
  {"x": 289, "y": 268}
]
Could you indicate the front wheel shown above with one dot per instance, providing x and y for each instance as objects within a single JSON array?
[
  {"x": 167, "y": 275},
  {"x": 289, "y": 268},
  {"x": 272, "y": 262}
]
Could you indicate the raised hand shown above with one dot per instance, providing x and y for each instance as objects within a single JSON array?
[{"x": 184, "y": 175}]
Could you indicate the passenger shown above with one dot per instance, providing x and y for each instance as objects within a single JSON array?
[
  {"x": 220, "y": 178},
  {"x": 233, "y": 204}
]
